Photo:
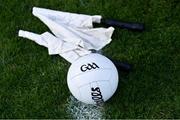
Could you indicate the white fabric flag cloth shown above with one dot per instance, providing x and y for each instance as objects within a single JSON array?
[{"x": 74, "y": 33}]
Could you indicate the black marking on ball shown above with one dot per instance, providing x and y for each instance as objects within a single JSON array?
[{"x": 97, "y": 95}]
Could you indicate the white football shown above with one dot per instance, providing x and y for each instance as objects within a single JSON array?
[{"x": 92, "y": 79}]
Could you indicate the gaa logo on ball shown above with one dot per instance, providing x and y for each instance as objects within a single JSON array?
[
  {"x": 89, "y": 66},
  {"x": 92, "y": 79}
]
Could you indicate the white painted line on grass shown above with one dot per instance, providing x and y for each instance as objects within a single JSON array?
[{"x": 79, "y": 110}]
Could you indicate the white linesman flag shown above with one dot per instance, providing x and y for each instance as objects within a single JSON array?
[{"x": 73, "y": 34}]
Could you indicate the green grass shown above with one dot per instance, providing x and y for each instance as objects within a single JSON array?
[{"x": 33, "y": 84}]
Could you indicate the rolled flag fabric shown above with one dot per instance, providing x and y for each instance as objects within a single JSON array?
[
  {"x": 68, "y": 51},
  {"x": 74, "y": 33}
]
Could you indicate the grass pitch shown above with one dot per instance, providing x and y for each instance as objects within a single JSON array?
[{"x": 33, "y": 84}]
